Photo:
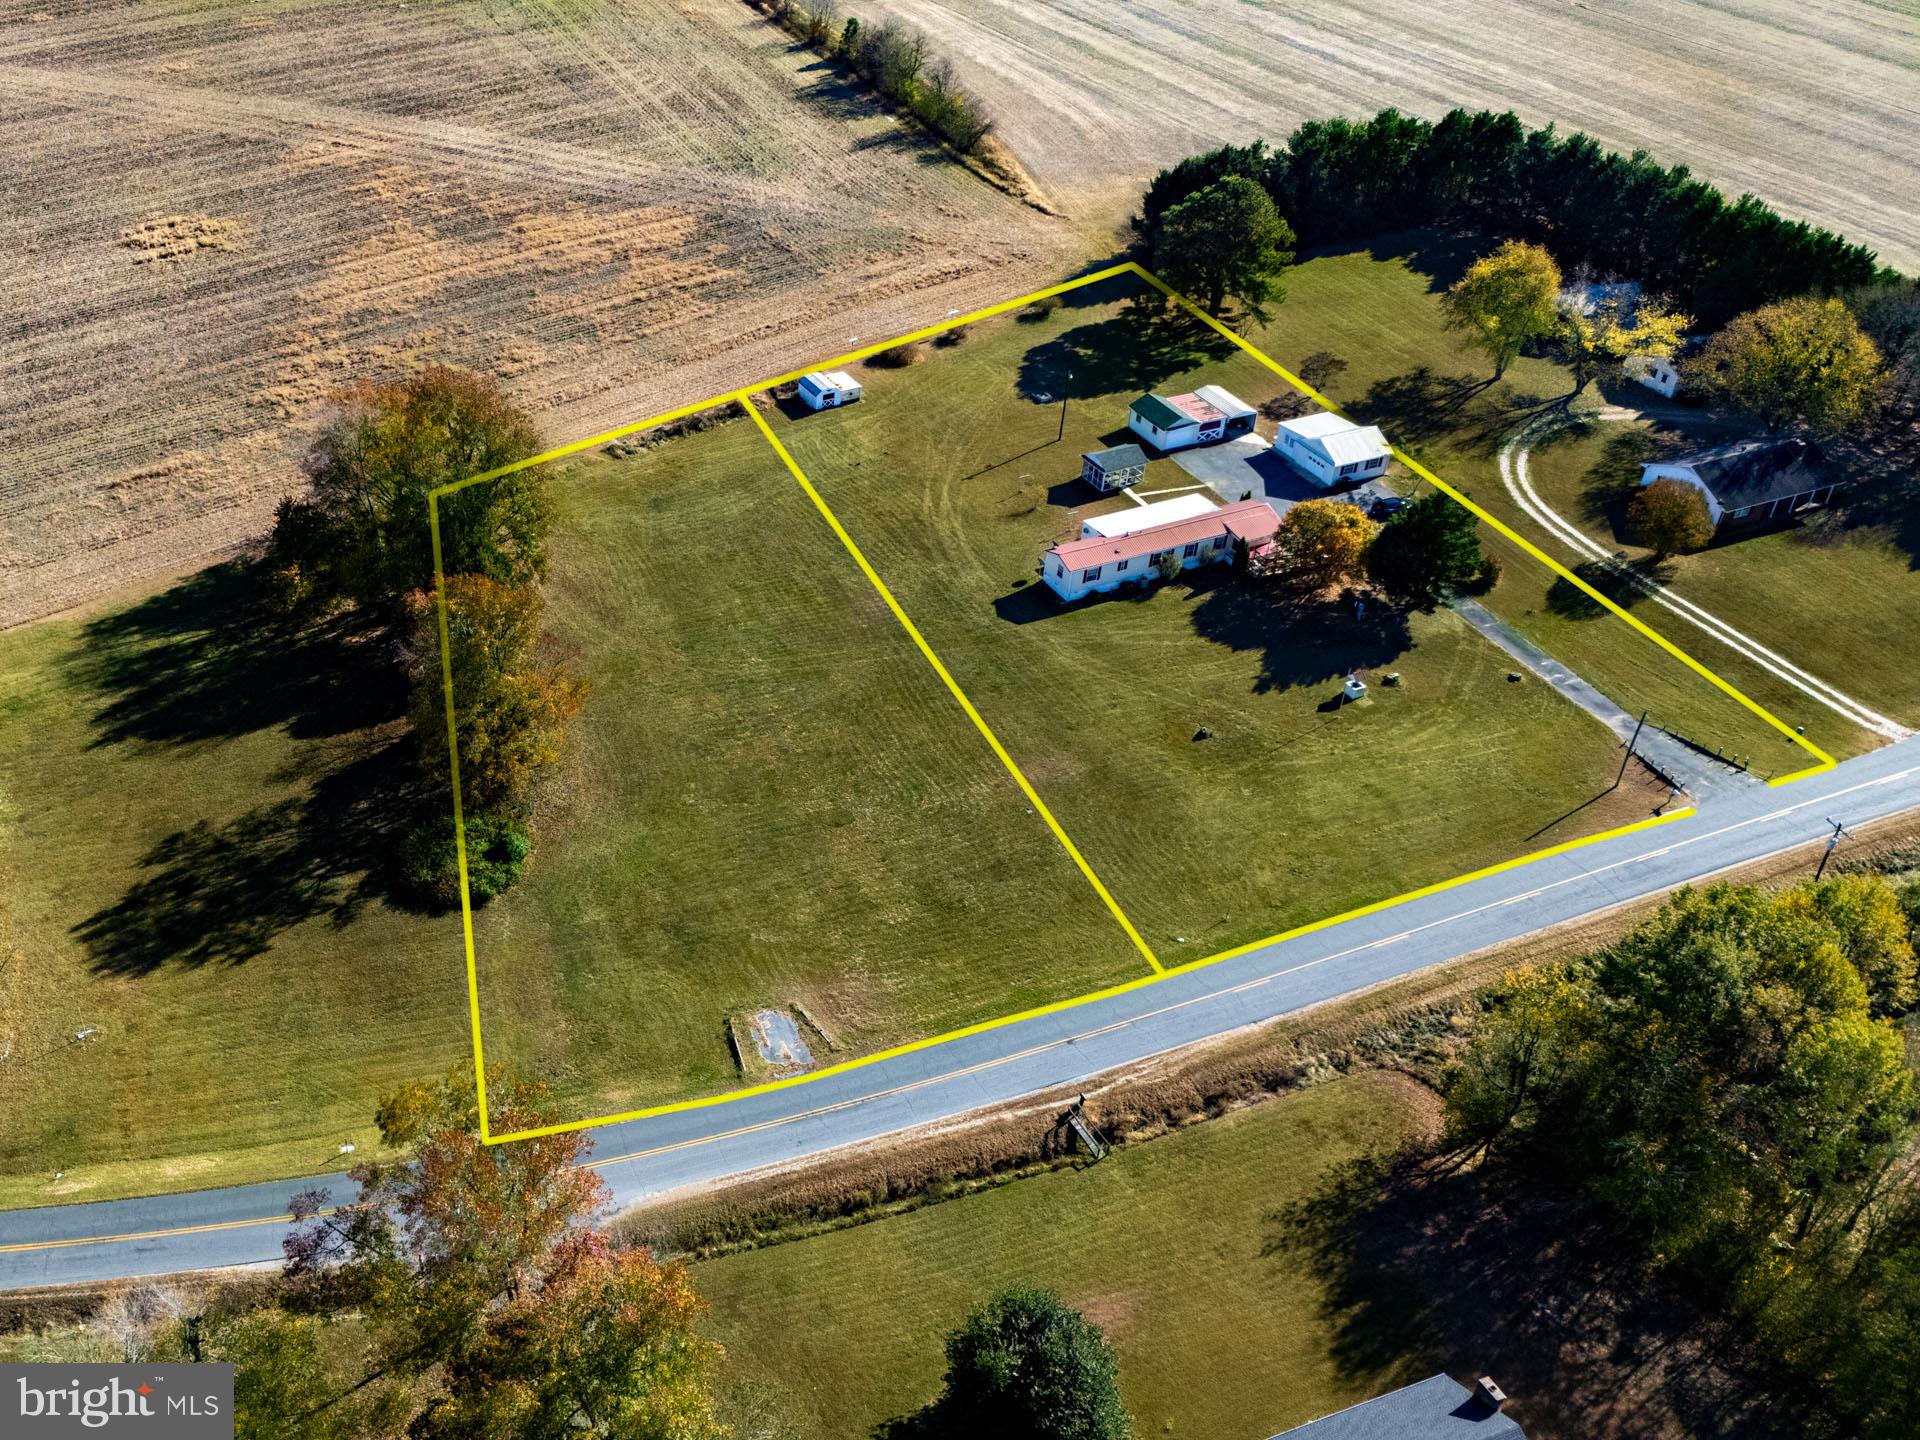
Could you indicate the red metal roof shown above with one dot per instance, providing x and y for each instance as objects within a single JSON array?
[
  {"x": 1194, "y": 408},
  {"x": 1248, "y": 520}
]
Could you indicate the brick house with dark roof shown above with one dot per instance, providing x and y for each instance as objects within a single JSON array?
[{"x": 1753, "y": 483}]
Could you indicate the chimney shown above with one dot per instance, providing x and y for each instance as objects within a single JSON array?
[{"x": 1489, "y": 1394}]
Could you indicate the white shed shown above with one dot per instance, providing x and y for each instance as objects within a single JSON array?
[
  {"x": 824, "y": 389},
  {"x": 1656, "y": 372}
]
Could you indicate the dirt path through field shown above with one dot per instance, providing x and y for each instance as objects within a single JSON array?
[{"x": 1813, "y": 107}]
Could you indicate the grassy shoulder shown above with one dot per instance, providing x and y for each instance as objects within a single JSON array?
[
  {"x": 1168, "y": 1246},
  {"x": 1377, "y": 311}
]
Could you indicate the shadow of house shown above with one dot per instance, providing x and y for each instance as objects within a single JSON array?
[
  {"x": 1430, "y": 1270},
  {"x": 1126, "y": 354},
  {"x": 203, "y": 663},
  {"x": 1302, "y": 642}
]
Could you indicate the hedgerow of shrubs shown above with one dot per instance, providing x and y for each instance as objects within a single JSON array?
[{"x": 894, "y": 59}]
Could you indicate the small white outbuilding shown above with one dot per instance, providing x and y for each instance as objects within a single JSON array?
[
  {"x": 1656, "y": 372},
  {"x": 824, "y": 389},
  {"x": 1332, "y": 450}
]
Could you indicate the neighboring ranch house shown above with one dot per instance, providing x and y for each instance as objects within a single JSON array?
[
  {"x": 1098, "y": 563},
  {"x": 1114, "y": 468},
  {"x": 824, "y": 389},
  {"x": 1752, "y": 482},
  {"x": 1331, "y": 450},
  {"x": 1173, "y": 422}
]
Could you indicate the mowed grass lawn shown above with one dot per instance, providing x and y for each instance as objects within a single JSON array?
[
  {"x": 1378, "y": 311},
  {"x": 189, "y": 798},
  {"x": 771, "y": 800},
  {"x": 950, "y": 478},
  {"x": 1174, "y": 1247},
  {"x": 768, "y": 799},
  {"x": 1840, "y": 599}
]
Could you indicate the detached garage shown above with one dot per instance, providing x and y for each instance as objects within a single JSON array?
[{"x": 824, "y": 389}]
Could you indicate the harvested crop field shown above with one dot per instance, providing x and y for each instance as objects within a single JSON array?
[
  {"x": 1811, "y": 107},
  {"x": 222, "y": 213}
]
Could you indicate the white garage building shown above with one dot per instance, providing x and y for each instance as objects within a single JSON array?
[{"x": 1331, "y": 450}]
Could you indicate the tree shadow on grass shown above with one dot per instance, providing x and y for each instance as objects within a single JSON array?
[
  {"x": 1883, "y": 489},
  {"x": 221, "y": 894},
  {"x": 1569, "y": 601},
  {"x": 1131, "y": 352},
  {"x": 206, "y": 662},
  {"x": 1425, "y": 1268},
  {"x": 1302, "y": 641}
]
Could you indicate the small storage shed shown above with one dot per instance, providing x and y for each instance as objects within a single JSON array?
[
  {"x": 1114, "y": 468},
  {"x": 1656, "y": 372},
  {"x": 824, "y": 389}
]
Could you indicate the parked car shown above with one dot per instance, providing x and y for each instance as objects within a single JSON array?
[{"x": 1386, "y": 507}]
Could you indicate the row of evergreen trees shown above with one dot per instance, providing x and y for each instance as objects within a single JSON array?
[{"x": 1340, "y": 180}]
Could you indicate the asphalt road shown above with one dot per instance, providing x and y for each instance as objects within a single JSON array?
[{"x": 241, "y": 1225}]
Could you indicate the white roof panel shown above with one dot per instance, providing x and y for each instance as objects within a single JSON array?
[
  {"x": 1225, "y": 401},
  {"x": 1141, "y": 517}
]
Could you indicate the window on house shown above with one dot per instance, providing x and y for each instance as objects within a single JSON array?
[
  {"x": 1093, "y": 574},
  {"x": 1741, "y": 513},
  {"x": 1123, "y": 565},
  {"x": 1348, "y": 469},
  {"x": 1219, "y": 542},
  {"x": 1193, "y": 549},
  {"x": 1059, "y": 570}
]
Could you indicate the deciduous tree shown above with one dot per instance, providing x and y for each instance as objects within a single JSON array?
[
  {"x": 1505, "y": 300},
  {"x": 1320, "y": 543},
  {"x": 510, "y": 712},
  {"x": 1802, "y": 360},
  {"x": 476, "y": 1269},
  {"x": 1226, "y": 241},
  {"x": 1669, "y": 517},
  {"x": 1605, "y": 334},
  {"x": 362, "y": 529},
  {"x": 604, "y": 1344}
]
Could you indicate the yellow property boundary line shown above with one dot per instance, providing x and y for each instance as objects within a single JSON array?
[{"x": 743, "y": 396}]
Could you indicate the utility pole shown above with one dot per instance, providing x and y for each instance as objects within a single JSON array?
[
  {"x": 1840, "y": 832},
  {"x": 1629, "y": 755},
  {"x": 1066, "y": 393}
]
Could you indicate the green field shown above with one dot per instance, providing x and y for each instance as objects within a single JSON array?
[
  {"x": 949, "y": 476},
  {"x": 1842, "y": 600},
  {"x": 1170, "y": 1246},
  {"x": 770, "y": 799},
  {"x": 776, "y": 802},
  {"x": 190, "y": 804}
]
